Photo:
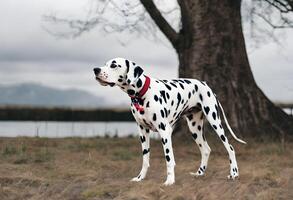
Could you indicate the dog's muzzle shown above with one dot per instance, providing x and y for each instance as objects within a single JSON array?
[{"x": 97, "y": 71}]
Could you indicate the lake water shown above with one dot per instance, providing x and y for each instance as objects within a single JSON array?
[
  {"x": 67, "y": 129},
  {"x": 71, "y": 129}
]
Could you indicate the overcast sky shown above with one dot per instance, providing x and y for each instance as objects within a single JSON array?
[{"x": 29, "y": 54}]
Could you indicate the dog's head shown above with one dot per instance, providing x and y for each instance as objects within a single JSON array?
[{"x": 118, "y": 71}]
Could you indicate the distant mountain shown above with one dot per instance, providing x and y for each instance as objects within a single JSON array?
[{"x": 33, "y": 94}]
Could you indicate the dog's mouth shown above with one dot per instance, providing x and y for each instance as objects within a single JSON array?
[{"x": 104, "y": 83}]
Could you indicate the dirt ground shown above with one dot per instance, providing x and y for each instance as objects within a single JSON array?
[{"x": 96, "y": 168}]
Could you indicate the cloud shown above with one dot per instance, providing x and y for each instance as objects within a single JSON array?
[{"x": 29, "y": 54}]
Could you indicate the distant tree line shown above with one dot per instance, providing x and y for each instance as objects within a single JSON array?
[{"x": 19, "y": 113}]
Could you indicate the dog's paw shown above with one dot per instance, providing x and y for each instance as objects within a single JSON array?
[
  {"x": 197, "y": 174},
  {"x": 169, "y": 182},
  {"x": 232, "y": 177},
  {"x": 137, "y": 179}
]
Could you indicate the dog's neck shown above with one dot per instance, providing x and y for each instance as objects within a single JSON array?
[{"x": 134, "y": 89}]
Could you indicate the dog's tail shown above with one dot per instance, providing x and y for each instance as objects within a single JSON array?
[{"x": 228, "y": 126}]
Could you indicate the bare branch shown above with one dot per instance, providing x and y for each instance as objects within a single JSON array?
[{"x": 161, "y": 22}]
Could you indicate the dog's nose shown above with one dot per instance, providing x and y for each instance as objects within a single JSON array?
[{"x": 97, "y": 70}]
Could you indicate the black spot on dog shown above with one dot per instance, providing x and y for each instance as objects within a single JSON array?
[
  {"x": 172, "y": 103},
  {"x": 217, "y": 109},
  {"x": 139, "y": 83},
  {"x": 231, "y": 148},
  {"x": 174, "y": 114},
  {"x": 189, "y": 95},
  {"x": 167, "y": 158},
  {"x": 162, "y": 126},
  {"x": 130, "y": 92},
  {"x": 209, "y": 94},
  {"x": 156, "y": 98},
  {"x": 198, "y": 105},
  {"x": 174, "y": 85},
  {"x": 164, "y": 141},
  {"x": 199, "y": 145},
  {"x": 221, "y": 127},
  {"x": 200, "y": 97},
  {"x": 168, "y": 87},
  {"x": 223, "y": 138},
  {"x": 181, "y": 85},
  {"x": 214, "y": 115},
  {"x": 120, "y": 80},
  {"x": 141, "y": 127},
  {"x": 215, "y": 127},
  {"x": 193, "y": 123},
  {"x": 168, "y": 96},
  {"x": 167, "y": 150},
  {"x": 207, "y": 110},
  {"x": 138, "y": 71},
  {"x": 127, "y": 64},
  {"x": 166, "y": 112},
  {"x": 154, "y": 117},
  {"x": 203, "y": 83},
  {"x": 145, "y": 151},
  {"x": 187, "y": 81},
  {"x": 148, "y": 104},
  {"x": 141, "y": 112},
  {"x": 195, "y": 87},
  {"x": 199, "y": 127},
  {"x": 230, "y": 161},
  {"x": 163, "y": 94},
  {"x": 162, "y": 113},
  {"x": 179, "y": 99},
  {"x": 160, "y": 100},
  {"x": 142, "y": 139},
  {"x": 194, "y": 135}
]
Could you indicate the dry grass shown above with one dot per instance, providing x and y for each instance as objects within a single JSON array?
[{"x": 74, "y": 168}]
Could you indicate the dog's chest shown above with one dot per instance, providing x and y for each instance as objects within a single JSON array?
[{"x": 143, "y": 116}]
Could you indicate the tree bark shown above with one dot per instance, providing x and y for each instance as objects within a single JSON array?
[
  {"x": 211, "y": 47},
  {"x": 216, "y": 53}
]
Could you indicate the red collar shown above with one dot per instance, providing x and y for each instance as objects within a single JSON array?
[
  {"x": 136, "y": 99},
  {"x": 144, "y": 89}
]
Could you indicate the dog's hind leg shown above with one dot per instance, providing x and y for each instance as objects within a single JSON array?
[
  {"x": 145, "y": 145},
  {"x": 211, "y": 110},
  {"x": 195, "y": 124}
]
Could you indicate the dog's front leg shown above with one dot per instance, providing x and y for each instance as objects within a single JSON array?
[
  {"x": 145, "y": 145},
  {"x": 165, "y": 132}
]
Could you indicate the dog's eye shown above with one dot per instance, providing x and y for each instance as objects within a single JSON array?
[{"x": 113, "y": 65}]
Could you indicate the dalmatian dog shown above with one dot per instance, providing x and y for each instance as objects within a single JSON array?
[{"x": 158, "y": 104}]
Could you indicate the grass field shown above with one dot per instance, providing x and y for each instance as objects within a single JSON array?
[{"x": 74, "y": 168}]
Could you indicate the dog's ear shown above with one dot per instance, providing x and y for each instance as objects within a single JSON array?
[{"x": 133, "y": 73}]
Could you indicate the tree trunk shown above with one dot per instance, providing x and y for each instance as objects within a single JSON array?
[{"x": 212, "y": 48}]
